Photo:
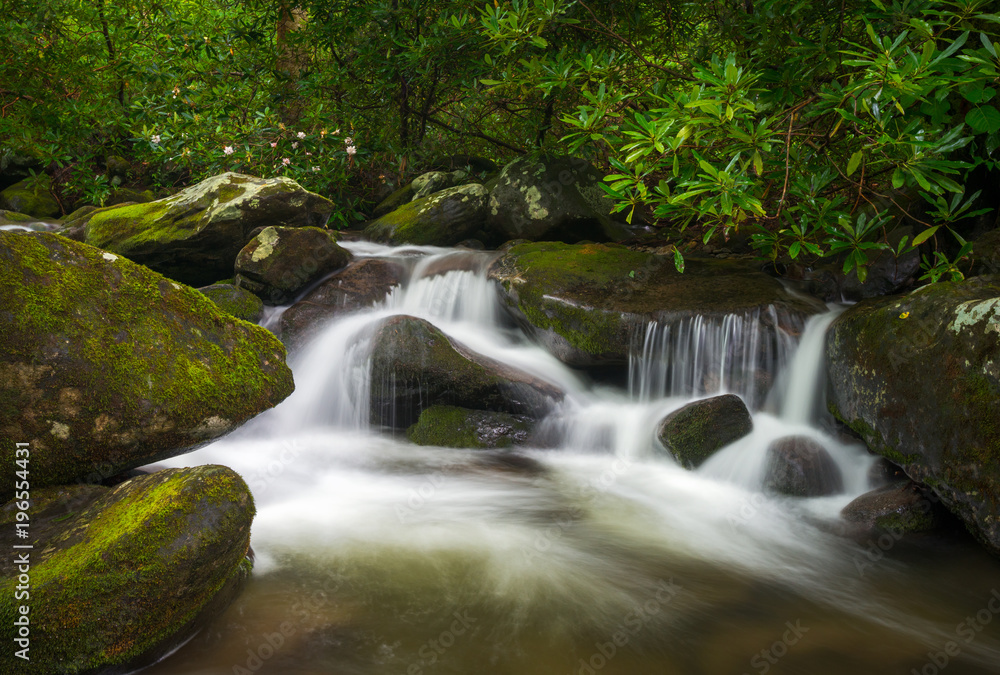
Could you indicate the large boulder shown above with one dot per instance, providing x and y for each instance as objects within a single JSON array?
[
  {"x": 454, "y": 427},
  {"x": 416, "y": 366},
  {"x": 195, "y": 235},
  {"x": 696, "y": 431},
  {"x": 279, "y": 262},
  {"x": 32, "y": 197},
  {"x": 552, "y": 198},
  {"x": 120, "y": 577},
  {"x": 801, "y": 467},
  {"x": 358, "y": 286},
  {"x": 427, "y": 184},
  {"x": 106, "y": 365},
  {"x": 236, "y": 301},
  {"x": 441, "y": 219},
  {"x": 918, "y": 377},
  {"x": 583, "y": 302}
]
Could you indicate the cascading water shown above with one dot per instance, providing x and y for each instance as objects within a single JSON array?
[{"x": 378, "y": 557}]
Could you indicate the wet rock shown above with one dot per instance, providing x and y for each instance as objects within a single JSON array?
[
  {"x": 918, "y": 377},
  {"x": 31, "y": 197},
  {"x": 279, "y": 262},
  {"x": 986, "y": 254},
  {"x": 106, "y": 365},
  {"x": 195, "y": 235},
  {"x": 240, "y": 303},
  {"x": 583, "y": 302},
  {"x": 899, "y": 507},
  {"x": 434, "y": 181},
  {"x": 552, "y": 198},
  {"x": 695, "y": 432},
  {"x": 801, "y": 467},
  {"x": 441, "y": 219},
  {"x": 416, "y": 366},
  {"x": 122, "y": 576},
  {"x": 887, "y": 274},
  {"x": 358, "y": 286},
  {"x": 454, "y": 427}
]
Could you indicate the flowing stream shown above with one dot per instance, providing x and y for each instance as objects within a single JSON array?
[{"x": 378, "y": 557}]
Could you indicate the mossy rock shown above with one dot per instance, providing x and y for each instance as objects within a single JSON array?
[
  {"x": 698, "y": 430},
  {"x": 121, "y": 195},
  {"x": 195, "y": 235},
  {"x": 281, "y": 261},
  {"x": 106, "y": 365},
  {"x": 358, "y": 286},
  {"x": 416, "y": 366},
  {"x": 918, "y": 377},
  {"x": 122, "y": 576},
  {"x": 232, "y": 300},
  {"x": 31, "y": 197},
  {"x": 583, "y": 302},
  {"x": 901, "y": 508},
  {"x": 427, "y": 184},
  {"x": 397, "y": 198},
  {"x": 454, "y": 427},
  {"x": 552, "y": 198},
  {"x": 441, "y": 219}
]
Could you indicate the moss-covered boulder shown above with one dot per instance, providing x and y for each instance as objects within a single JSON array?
[
  {"x": 800, "y": 467},
  {"x": 358, "y": 286},
  {"x": 236, "y": 301},
  {"x": 454, "y": 427},
  {"x": 106, "y": 365},
  {"x": 441, "y": 219},
  {"x": 396, "y": 198},
  {"x": 427, "y": 184},
  {"x": 122, "y": 195},
  {"x": 416, "y": 366},
  {"x": 697, "y": 431},
  {"x": 31, "y": 197},
  {"x": 120, "y": 577},
  {"x": 918, "y": 377},
  {"x": 195, "y": 235},
  {"x": 280, "y": 262},
  {"x": 583, "y": 302},
  {"x": 900, "y": 508},
  {"x": 552, "y": 198}
]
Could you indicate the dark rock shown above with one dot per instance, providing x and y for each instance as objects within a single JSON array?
[
  {"x": 918, "y": 377},
  {"x": 195, "y": 235},
  {"x": 801, "y": 467},
  {"x": 886, "y": 275},
  {"x": 280, "y": 262},
  {"x": 31, "y": 197},
  {"x": 552, "y": 198},
  {"x": 403, "y": 195},
  {"x": 695, "y": 432},
  {"x": 106, "y": 365},
  {"x": 358, "y": 286},
  {"x": 453, "y": 427},
  {"x": 583, "y": 302},
  {"x": 122, "y": 576},
  {"x": 986, "y": 254},
  {"x": 899, "y": 507},
  {"x": 416, "y": 366},
  {"x": 441, "y": 219},
  {"x": 236, "y": 301}
]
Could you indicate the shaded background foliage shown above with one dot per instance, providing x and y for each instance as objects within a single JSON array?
[{"x": 813, "y": 127}]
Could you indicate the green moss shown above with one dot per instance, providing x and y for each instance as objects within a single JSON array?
[
  {"x": 149, "y": 350},
  {"x": 134, "y": 567},
  {"x": 445, "y": 426},
  {"x": 132, "y": 226}
]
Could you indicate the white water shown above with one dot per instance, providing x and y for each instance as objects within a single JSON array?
[{"x": 554, "y": 556}]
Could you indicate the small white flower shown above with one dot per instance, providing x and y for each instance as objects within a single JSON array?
[
  {"x": 336, "y": 131},
  {"x": 286, "y": 161},
  {"x": 308, "y": 154},
  {"x": 315, "y": 169},
  {"x": 155, "y": 138},
  {"x": 301, "y": 135},
  {"x": 351, "y": 150},
  {"x": 295, "y": 144},
  {"x": 348, "y": 141},
  {"x": 274, "y": 144},
  {"x": 228, "y": 149}
]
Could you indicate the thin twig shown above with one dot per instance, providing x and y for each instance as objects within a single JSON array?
[{"x": 788, "y": 166}]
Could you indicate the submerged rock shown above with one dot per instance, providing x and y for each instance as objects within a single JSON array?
[
  {"x": 584, "y": 302},
  {"x": 281, "y": 261},
  {"x": 697, "y": 431},
  {"x": 358, "y": 286},
  {"x": 122, "y": 576},
  {"x": 106, "y": 365},
  {"x": 918, "y": 377},
  {"x": 236, "y": 301},
  {"x": 416, "y": 366},
  {"x": 195, "y": 235},
  {"x": 552, "y": 198},
  {"x": 441, "y": 219},
  {"x": 453, "y": 427},
  {"x": 801, "y": 467}
]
